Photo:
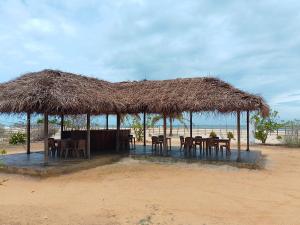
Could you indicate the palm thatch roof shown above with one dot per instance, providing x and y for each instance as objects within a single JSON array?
[
  {"x": 189, "y": 94},
  {"x": 56, "y": 92}
]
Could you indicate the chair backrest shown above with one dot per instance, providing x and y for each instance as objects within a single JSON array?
[
  {"x": 51, "y": 142},
  {"x": 154, "y": 139},
  {"x": 181, "y": 139},
  {"x": 161, "y": 137},
  {"x": 189, "y": 141},
  {"x": 81, "y": 144},
  {"x": 198, "y": 139},
  {"x": 64, "y": 144}
]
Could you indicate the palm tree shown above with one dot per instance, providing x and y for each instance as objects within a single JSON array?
[{"x": 172, "y": 117}]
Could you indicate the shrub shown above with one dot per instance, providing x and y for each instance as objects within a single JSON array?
[
  {"x": 264, "y": 126},
  {"x": 2, "y": 152},
  {"x": 230, "y": 135},
  {"x": 279, "y": 137},
  {"x": 17, "y": 138},
  {"x": 212, "y": 134}
]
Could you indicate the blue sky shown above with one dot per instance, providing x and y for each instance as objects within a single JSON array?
[{"x": 254, "y": 45}]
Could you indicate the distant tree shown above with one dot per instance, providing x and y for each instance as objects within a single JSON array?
[
  {"x": 178, "y": 116},
  {"x": 264, "y": 126},
  {"x": 136, "y": 123}
]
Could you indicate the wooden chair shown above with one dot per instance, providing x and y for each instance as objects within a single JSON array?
[
  {"x": 67, "y": 148},
  {"x": 189, "y": 144},
  {"x": 81, "y": 148},
  {"x": 181, "y": 142},
  {"x": 156, "y": 143},
  {"x": 212, "y": 143},
  {"x": 131, "y": 142},
  {"x": 226, "y": 146},
  {"x": 51, "y": 147},
  {"x": 198, "y": 142}
]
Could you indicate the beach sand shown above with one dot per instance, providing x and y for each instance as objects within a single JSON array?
[{"x": 138, "y": 192}]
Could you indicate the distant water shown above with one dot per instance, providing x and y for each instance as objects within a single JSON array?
[{"x": 203, "y": 121}]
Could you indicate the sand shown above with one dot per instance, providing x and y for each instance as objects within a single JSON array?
[{"x": 137, "y": 192}]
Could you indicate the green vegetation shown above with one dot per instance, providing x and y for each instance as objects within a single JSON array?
[
  {"x": 230, "y": 135},
  {"x": 178, "y": 117},
  {"x": 264, "y": 126},
  {"x": 3, "y": 151},
  {"x": 212, "y": 134},
  {"x": 136, "y": 123},
  {"x": 17, "y": 138}
]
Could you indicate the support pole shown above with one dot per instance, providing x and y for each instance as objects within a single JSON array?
[
  {"x": 118, "y": 133},
  {"x": 46, "y": 146},
  {"x": 106, "y": 121},
  {"x": 191, "y": 124},
  {"x": 165, "y": 134},
  {"x": 61, "y": 125},
  {"x": 239, "y": 134},
  {"x": 88, "y": 135},
  {"x": 144, "y": 128},
  {"x": 248, "y": 121},
  {"x": 28, "y": 133}
]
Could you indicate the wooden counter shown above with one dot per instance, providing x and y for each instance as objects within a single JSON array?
[{"x": 101, "y": 140}]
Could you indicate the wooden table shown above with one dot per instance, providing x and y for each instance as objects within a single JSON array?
[{"x": 225, "y": 141}]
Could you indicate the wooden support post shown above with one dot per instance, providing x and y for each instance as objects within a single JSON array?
[
  {"x": 248, "y": 121},
  {"x": 145, "y": 128},
  {"x": 118, "y": 133},
  {"x": 88, "y": 135},
  {"x": 61, "y": 125},
  {"x": 191, "y": 124},
  {"x": 28, "y": 133},
  {"x": 239, "y": 134},
  {"x": 106, "y": 121},
  {"x": 165, "y": 134},
  {"x": 46, "y": 146}
]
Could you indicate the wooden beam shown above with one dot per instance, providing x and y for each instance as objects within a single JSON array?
[
  {"x": 145, "y": 128},
  {"x": 239, "y": 134},
  {"x": 46, "y": 146},
  {"x": 118, "y": 133},
  {"x": 248, "y": 121},
  {"x": 28, "y": 133},
  {"x": 88, "y": 135},
  {"x": 106, "y": 121},
  {"x": 61, "y": 125},
  {"x": 191, "y": 124},
  {"x": 165, "y": 134}
]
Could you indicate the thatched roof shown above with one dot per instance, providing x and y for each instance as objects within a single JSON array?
[
  {"x": 57, "y": 92},
  {"x": 189, "y": 94}
]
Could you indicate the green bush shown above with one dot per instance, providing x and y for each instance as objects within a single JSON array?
[
  {"x": 279, "y": 137},
  {"x": 2, "y": 152},
  {"x": 212, "y": 134},
  {"x": 230, "y": 135},
  {"x": 17, "y": 138}
]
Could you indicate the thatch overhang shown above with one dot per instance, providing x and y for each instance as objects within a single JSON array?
[
  {"x": 56, "y": 92},
  {"x": 203, "y": 94}
]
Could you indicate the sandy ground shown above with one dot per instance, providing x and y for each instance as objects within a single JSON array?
[{"x": 134, "y": 192}]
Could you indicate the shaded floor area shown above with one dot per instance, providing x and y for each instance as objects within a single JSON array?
[
  {"x": 248, "y": 159},
  {"x": 33, "y": 164}
]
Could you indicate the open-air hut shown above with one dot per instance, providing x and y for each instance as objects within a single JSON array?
[
  {"x": 52, "y": 92},
  {"x": 203, "y": 94}
]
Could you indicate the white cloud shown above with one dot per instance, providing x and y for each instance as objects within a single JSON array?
[{"x": 254, "y": 45}]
